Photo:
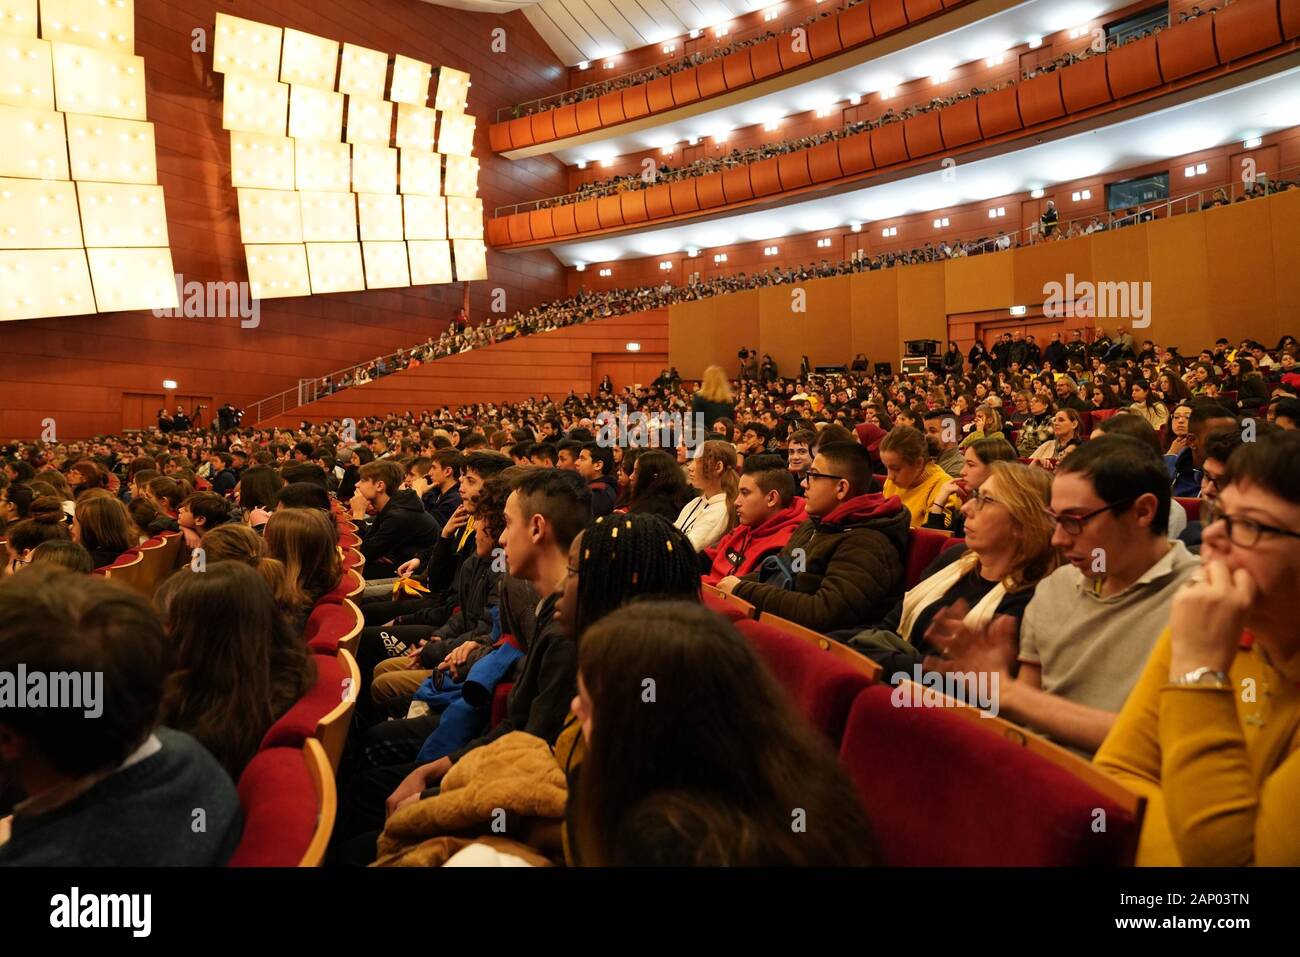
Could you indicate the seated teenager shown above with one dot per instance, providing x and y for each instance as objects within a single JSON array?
[
  {"x": 911, "y": 473},
  {"x": 712, "y": 514},
  {"x": 256, "y": 494},
  {"x": 303, "y": 546},
  {"x": 104, "y": 786},
  {"x": 546, "y": 510},
  {"x": 596, "y": 466},
  {"x": 237, "y": 664},
  {"x": 45, "y": 523},
  {"x": 1127, "y": 423},
  {"x": 843, "y": 567},
  {"x": 233, "y": 542},
  {"x": 1220, "y": 768},
  {"x": 441, "y": 496},
  {"x": 400, "y": 530},
  {"x": 65, "y": 554},
  {"x": 102, "y": 524},
  {"x": 707, "y": 779},
  {"x": 402, "y": 654},
  {"x": 657, "y": 486},
  {"x": 200, "y": 513},
  {"x": 1092, "y": 623},
  {"x": 1185, "y": 468},
  {"x": 303, "y": 495},
  {"x": 1008, "y": 551},
  {"x": 946, "y": 510},
  {"x": 767, "y": 510}
]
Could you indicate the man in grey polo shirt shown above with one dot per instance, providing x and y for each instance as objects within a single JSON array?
[{"x": 1092, "y": 623}]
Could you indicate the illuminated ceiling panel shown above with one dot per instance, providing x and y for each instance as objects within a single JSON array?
[
  {"x": 275, "y": 272},
  {"x": 111, "y": 151},
  {"x": 369, "y": 121},
  {"x": 464, "y": 218},
  {"x": 35, "y": 284},
  {"x": 27, "y": 77},
  {"x": 269, "y": 216},
  {"x": 461, "y": 176},
  {"x": 126, "y": 279},
  {"x": 416, "y": 127},
  {"x": 33, "y": 144},
  {"x": 410, "y": 81},
  {"x": 456, "y": 134},
  {"x": 374, "y": 169},
  {"x": 421, "y": 173},
  {"x": 387, "y": 266},
  {"x": 364, "y": 72},
  {"x": 430, "y": 262},
  {"x": 453, "y": 88},
  {"x": 322, "y": 167},
  {"x": 261, "y": 161},
  {"x": 380, "y": 217},
  {"x": 254, "y": 105},
  {"x": 18, "y": 18},
  {"x": 98, "y": 82},
  {"x": 315, "y": 114},
  {"x": 426, "y": 217},
  {"x": 247, "y": 48},
  {"x": 309, "y": 60},
  {"x": 471, "y": 259},
  {"x": 335, "y": 267},
  {"x": 107, "y": 25},
  {"x": 35, "y": 214},
  {"x": 116, "y": 215},
  {"x": 329, "y": 217}
]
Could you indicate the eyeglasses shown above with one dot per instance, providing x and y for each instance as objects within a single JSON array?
[
  {"x": 981, "y": 498},
  {"x": 1073, "y": 524},
  {"x": 1246, "y": 532},
  {"x": 811, "y": 474}
]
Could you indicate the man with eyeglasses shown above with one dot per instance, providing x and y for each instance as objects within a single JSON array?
[
  {"x": 1219, "y": 446},
  {"x": 1092, "y": 623}
]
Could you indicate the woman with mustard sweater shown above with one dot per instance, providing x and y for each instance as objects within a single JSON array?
[
  {"x": 911, "y": 472},
  {"x": 1211, "y": 733}
]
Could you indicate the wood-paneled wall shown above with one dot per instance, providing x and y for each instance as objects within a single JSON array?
[
  {"x": 549, "y": 363},
  {"x": 76, "y": 369},
  {"x": 1225, "y": 272}
]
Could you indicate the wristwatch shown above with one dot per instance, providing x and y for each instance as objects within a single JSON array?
[{"x": 1199, "y": 676}]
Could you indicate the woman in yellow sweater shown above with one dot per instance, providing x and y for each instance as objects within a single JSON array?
[
  {"x": 1211, "y": 733},
  {"x": 911, "y": 472}
]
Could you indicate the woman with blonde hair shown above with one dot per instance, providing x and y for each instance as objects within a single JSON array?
[
  {"x": 1008, "y": 551},
  {"x": 303, "y": 560},
  {"x": 706, "y": 518},
  {"x": 986, "y": 425},
  {"x": 713, "y": 399},
  {"x": 102, "y": 524},
  {"x": 911, "y": 472}
]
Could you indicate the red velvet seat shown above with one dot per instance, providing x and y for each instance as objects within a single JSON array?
[
  {"x": 1192, "y": 506},
  {"x": 329, "y": 624},
  {"x": 299, "y": 723},
  {"x": 822, "y": 686},
  {"x": 724, "y": 608},
  {"x": 282, "y": 810},
  {"x": 923, "y": 546},
  {"x": 500, "y": 699},
  {"x": 940, "y": 790}
]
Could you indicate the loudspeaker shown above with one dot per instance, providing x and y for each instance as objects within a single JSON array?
[{"x": 921, "y": 347}]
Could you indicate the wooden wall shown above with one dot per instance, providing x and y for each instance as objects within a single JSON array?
[
  {"x": 1225, "y": 272},
  {"x": 76, "y": 369},
  {"x": 550, "y": 363}
]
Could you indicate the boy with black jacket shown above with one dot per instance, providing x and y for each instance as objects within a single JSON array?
[{"x": 401, "y": 528}]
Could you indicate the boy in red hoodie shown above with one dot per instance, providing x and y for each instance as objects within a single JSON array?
[
  {"x": 768, "y": 512},
  {"x": 844, "y": 565}
]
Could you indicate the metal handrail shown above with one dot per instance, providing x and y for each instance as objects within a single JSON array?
[
  {"x": 308, "y": 390},
  {"x": 686, "y": 61}
]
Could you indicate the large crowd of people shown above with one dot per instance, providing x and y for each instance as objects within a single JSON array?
[{"x": 1123, "y": 514}]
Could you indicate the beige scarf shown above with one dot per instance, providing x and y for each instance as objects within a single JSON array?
[{"x": 927, "y": 592}]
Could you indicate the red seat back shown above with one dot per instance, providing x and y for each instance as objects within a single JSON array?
[
  {"x": 299, "y": 723},
  {"x": 280, "y": 809},
  {"x": 822, "y": 686},
  {"x": 1192, "y": 506},
  {"x": 939, "y": 790},
  {"x": 327, "y": 623},
  {"x": 923, "y": 546}
]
